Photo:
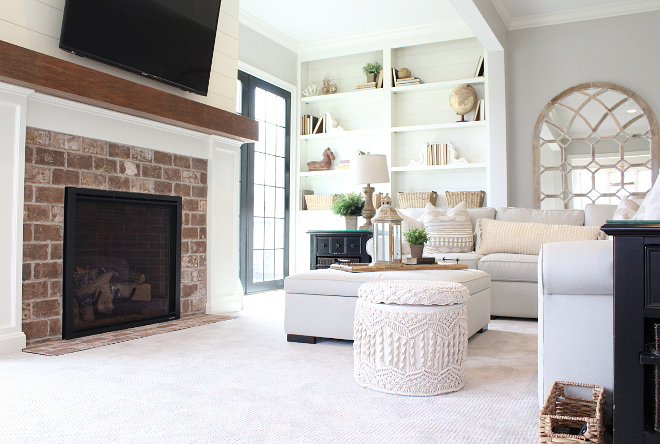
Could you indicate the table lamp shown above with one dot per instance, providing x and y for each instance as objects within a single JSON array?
[{"x": 368, "y": 169}]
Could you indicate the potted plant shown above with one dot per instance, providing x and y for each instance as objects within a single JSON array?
[
  {"x": 372, "y": 69},
  {"x": 349, "y": 205},
  {"x": 416, "y": 237}
]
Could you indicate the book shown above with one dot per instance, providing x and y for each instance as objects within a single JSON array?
[
  {"x": 318, "y": 128},
  {"x": 479, "y": 72},
  {"x": 477, "y": 111},
  {"x": 420, "y": 260},
  {"x": 342, "y": 166},
  {"x": 394, "y": 74},
  {"x": 379, "y": 81}
]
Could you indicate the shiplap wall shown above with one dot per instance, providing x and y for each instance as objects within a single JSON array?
[{"x": 36, "y": 25}]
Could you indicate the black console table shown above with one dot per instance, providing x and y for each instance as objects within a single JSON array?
[
  {"x": 328, "y": 246},
  {"x": 636, "y": 313}
]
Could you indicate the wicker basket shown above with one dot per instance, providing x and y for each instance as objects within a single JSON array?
[
  {"x": 472, "y": 199},
  {"x": 563, "y": 411},
  {"x": 416, "y": 200},
  {"x": 320, "y": 201}
]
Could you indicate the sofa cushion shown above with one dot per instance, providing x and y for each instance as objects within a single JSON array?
[
  {"x": 553, "y": 217},
  {"x": 510, "y": 267},
  {"x": 469, "y": 259},
  {"x": 598, "y": 214},
  {"x": 341, "y": 283},
  {"x": 449, "y": 231},
  {"x": 495, "y": 236}
]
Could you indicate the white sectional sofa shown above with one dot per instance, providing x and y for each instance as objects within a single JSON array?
[{"x": 514, "y": 277}]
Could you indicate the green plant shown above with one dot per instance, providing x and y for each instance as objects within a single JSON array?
[
  {"x": 372, "y": 67},
  {"x": 348, "y": 204},
  {"x": 416, "y": 236}
]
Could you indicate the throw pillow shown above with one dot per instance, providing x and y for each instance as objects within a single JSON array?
[
  {"x": 407, "y": 224},
  {"x": 650, "y": 207},
  {"x": 450, "y": 231},
  {"x": 627, "y": 208},
  {"x": 496, "y": 236}
]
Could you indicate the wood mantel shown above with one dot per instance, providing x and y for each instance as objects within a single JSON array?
[{"x": 60, "y": 78}]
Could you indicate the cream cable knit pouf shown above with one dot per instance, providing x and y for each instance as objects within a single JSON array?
[{"x": 411, "y": 337}]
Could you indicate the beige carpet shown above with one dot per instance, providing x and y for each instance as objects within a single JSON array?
[
  {"x": 239, "y": 381},
  {"x": 56, "y": 348}
]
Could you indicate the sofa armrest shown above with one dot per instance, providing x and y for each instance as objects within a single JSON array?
[{"x": 576, "y": 267}]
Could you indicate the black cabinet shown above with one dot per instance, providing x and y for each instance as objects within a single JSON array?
[
  {"x": 636, "y": 414},
  {"x": 328, "y": 246}
]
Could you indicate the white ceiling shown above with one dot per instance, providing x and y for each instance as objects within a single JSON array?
[{"x": 305, "y": 21}]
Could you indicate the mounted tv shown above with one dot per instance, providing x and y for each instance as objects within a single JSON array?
[{"x": 167, "y": 40}]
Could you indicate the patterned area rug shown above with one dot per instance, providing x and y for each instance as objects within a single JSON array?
[{"x": 57, "y": 348}]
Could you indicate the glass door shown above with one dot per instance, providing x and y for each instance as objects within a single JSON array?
[{"x": 264, "y": 225}]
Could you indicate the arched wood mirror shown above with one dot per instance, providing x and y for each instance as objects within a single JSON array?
[{"x": 594, "y": 143}]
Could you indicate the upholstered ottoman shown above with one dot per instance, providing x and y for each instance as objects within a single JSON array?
[
  {"x": 411, "y": 337},
  {"x": 321, "y": 303}
]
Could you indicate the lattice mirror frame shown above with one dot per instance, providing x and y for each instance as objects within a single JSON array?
[{"x": 594, "y": 143}]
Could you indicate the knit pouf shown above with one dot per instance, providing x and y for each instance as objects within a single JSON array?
[{"x": 406, "y": 342}]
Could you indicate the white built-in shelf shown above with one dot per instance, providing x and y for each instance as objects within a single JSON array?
[
  {"x": 343, "y": 96},
  {"x": 334, "y": 134},
  {"x": 324, "y": 173},
  {"x": 451, "y": 166},
  {"x": 436, "y": 85},
  {"x": 437, "y": 126}
]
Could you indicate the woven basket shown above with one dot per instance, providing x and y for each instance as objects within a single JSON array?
[
  {"x": 320, "y": 201},
  {"x": 472, "y": 199},
  {"x": 377, "y": 200},
  {"x": 416, "y": 200},
  {"x": 561, "y": 411}
]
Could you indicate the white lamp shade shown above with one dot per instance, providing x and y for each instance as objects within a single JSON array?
[{"x": 369, "y": 168}]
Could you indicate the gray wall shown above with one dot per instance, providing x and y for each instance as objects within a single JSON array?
[
  {"x": 544, "y": 61},
  {"x": 263, "y": 53}
]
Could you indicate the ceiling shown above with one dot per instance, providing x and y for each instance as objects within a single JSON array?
[{"x": 305, "y": 21}]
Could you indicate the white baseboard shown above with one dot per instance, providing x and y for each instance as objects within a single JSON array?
[
  {"x": 224, "y": 304},
  {"x": 12, "y": 343}
]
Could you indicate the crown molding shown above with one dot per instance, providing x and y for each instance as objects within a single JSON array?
[
  {"x": 503, "y": 11},
  {"x": 432, "y": 32},
  {"x": 578, "y": 15},
  {"x": 263, "y": 28}
]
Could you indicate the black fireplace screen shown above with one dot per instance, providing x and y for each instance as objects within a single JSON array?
[{"x": 122, "y": 255}]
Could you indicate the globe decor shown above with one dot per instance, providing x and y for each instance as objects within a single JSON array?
[{"x": 462, "y": 100}]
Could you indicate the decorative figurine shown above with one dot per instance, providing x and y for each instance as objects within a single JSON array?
[{"x": 324, "y": 164}]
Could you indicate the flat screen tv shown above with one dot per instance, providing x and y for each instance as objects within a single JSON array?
[{"x": 167, "y": 40}]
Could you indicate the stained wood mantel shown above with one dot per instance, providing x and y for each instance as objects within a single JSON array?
[{"x": 60, "y": 78}]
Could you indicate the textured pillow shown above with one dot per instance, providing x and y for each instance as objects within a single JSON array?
[
  {"x": 407, "y": 224},
  {"x": 626, "y": 209},
  {"x": 650, "y": 207},
  {"x": 495, "y": 236},
  {"x": 450, "y": 231}
]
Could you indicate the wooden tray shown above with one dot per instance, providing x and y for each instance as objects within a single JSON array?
[{"x": 363, "y": 268}]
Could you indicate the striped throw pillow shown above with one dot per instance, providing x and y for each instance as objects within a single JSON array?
[{"x": 450, "y": 231}]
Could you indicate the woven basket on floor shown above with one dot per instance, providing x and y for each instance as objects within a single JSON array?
[
  {"x": 416, "y": 200},
  {"x": 472, "y": 199},
  {"x": 320, "y": 201},
  {"x": 562, "y": 411}
]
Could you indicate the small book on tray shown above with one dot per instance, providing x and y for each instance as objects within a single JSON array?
[{"x": 420, "y": 260}]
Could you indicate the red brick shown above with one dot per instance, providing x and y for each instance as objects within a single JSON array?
[
  {"x": 105, "y": 165},
  {"x": 198, "y": 219},
  {"x": 181, "y": 190},
  {"x": 34, "y": 174},
  {"x": 47, "y": 270},
  {"x": 38, "y": 137},
  {"x": 199, "y": 164},
  {"x": 162, "y": 158},
  {"x": 27, "y": 232},
  {"x": 198, "y": 247},
  {"x": 161, "y": 187},
  {"x": 35, "y": 252},
  {"x": 45, "y": 233},
  {"x": 79, "y": 161},
  {"x": 119, "y": 151},
  {"x": 29, "y": 155},
  {"x": 186, "y": 218},
  {"x": 56, "y": 251},
  {"x": 66, "y": 177},
  {"x": 199, "y": 191},
  {"x": 57, "y": 213},
  {"x": 188, "y": 290},
  {"x": 55, "y": 288},
  {"x": 93, "y": 146},
  {"x": 35, "y": 290},
  {"x": 35, "y": 329},
  {"x": 93, "y": 180},
  {"x": 152, "y": 171},
  {"x": 117, "y": 183},
  {"x": 48, "y": 157},
  {"x": 202, "y": 232},
  {"x": 203, "y": 179},
  {"x": 55, "y": 326},
  {"x": 28, "y": 193},
  {"x": 27, "y": 310},
  {"x": 199, "y": 302},
  {"x": 66, "y": 141},
  {"x": 182, "y": 161},
  {"x": 27, "y": 272},
  {"x": 46, "y": 308},
  {"x": 129, "y": 168},
  {"x": 185, "y": 248},
  {"x": 188, "y": 176},
  {"x": 202, "y": 261},
  {"x": 52, "y": 195},
  {"x": 36, "y": 213},
  {"x": 186, "y": 306},
  {"x": 190, "y": 261},
  {"x": 142, "y": 154},
  {"x": 189, "y": 233},
  {"x": 172, "y": 174},
  {"x": 142, "y": 185},
  {"x": 198, "y": 275},
  {"x": 190, "y": 204}
]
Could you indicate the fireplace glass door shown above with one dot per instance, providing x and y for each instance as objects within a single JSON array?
[{"x": 122, "y": 256}]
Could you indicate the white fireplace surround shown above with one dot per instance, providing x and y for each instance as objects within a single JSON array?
[{"x": 22, "y": 107}]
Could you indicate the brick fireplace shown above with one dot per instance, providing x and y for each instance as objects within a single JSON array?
[{"x": 54, "y": 161}]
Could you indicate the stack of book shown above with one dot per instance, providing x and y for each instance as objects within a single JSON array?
[
  {"x": 311, "y": 125},
  {"x": 437, "y": 153},
  {"x": 368, "y": 85},
  {"x": 480, "y": 111},
  {"x": 343, "y": 165},
  {"x": 408, "y": 81}
]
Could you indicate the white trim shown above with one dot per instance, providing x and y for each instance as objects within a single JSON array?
[
  {"x": 14, "y": 89},
  {"x": 503, "y": 11},
  {"x": 263, "y": 28},
  {"x": 263, "y": 75}
]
